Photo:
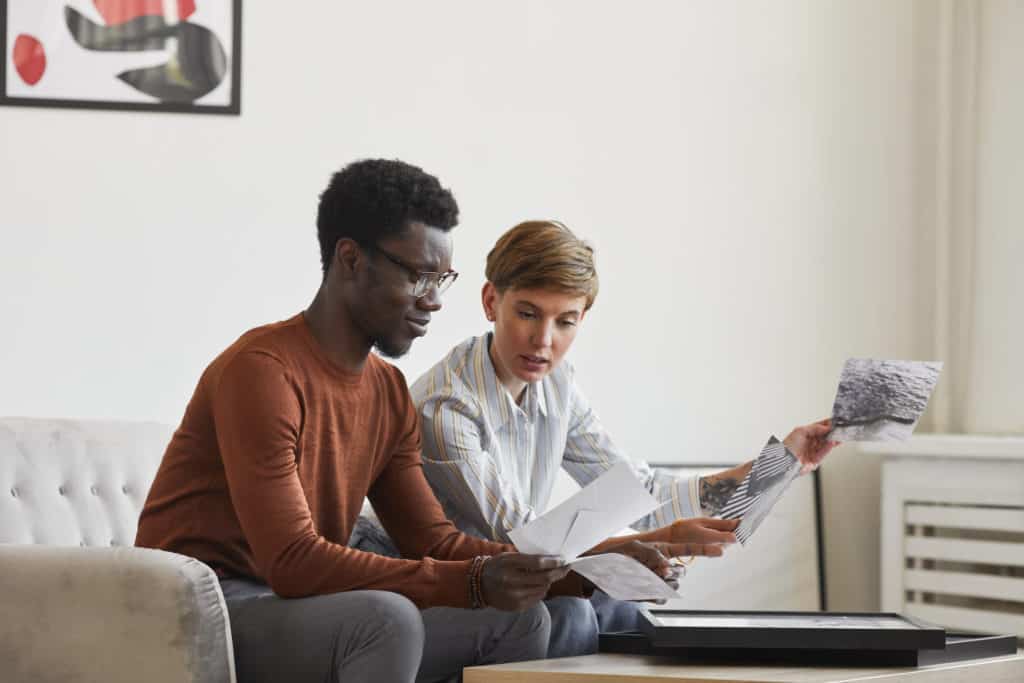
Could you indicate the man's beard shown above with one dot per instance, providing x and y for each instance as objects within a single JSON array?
[{"x": 390, "y": 349}]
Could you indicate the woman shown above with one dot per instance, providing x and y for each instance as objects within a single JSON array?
[{"x": 501, "y": 413}]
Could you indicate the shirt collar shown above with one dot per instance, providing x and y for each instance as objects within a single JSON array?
[{"x": 533, "y": 400}]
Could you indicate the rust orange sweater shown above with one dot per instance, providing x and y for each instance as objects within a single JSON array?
[{"x": 267, "y": 473}]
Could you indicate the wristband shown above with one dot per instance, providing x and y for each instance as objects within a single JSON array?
[{"x": 476, "y": 588}]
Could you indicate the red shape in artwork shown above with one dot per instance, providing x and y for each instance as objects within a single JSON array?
[
  {"x": 116, "y": 12},
  {"x": 29, "y": 58}
]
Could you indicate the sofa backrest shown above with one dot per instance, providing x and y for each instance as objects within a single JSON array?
[{"x": 76, "y": 482}]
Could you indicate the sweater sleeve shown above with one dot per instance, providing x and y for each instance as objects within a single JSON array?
[
  {"x": 408, "y": 508},
  {"x": 257, "y": 411}
]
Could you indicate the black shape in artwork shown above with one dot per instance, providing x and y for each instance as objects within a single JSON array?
[{"x": 198, "y": 66}]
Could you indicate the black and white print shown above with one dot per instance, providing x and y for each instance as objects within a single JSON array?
[
  {"x": 772, "y": 473},
  {"x": 881, "y": 400}
]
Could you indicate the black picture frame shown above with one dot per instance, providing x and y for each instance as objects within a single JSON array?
[
  {"x": 959, "y": 647},
  {"x": 790, "y": 631},
  {"x": 233, "y": 108}
]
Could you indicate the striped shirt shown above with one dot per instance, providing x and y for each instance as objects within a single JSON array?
[{"x": 492, "y": 462}]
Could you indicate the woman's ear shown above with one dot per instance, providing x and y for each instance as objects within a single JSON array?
[{"x": 490, "y": 298}]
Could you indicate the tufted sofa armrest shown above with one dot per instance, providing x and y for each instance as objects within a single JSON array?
[{"x": 111, "y": 615}]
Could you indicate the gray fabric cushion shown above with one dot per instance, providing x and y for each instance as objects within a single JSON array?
[
  {"x": 99, "y": 610},
  {"x": 111, "y": 614}
]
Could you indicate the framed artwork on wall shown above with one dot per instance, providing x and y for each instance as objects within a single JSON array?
[{"x": 149, "y": 55}]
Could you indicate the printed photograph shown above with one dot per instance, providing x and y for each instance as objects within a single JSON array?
[
  {"x": 773, "y": 471},
  {"x": 882, "y": 400},
  {"x": 159, "y": 55}
]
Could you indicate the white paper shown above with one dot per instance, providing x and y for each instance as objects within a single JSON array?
[
  {"x": 611, "y": 502},
  {"x": 579, "y": 539},
  {"x": 598, "y": 511},
  {"x": 623, "y": 578}
]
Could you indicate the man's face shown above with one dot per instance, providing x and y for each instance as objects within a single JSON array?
[{"x": 389, "y": 313}]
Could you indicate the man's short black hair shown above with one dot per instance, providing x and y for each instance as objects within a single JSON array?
[{"x": 376, "y": 198}]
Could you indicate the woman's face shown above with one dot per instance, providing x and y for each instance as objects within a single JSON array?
[{"x": 533, "y": 328}]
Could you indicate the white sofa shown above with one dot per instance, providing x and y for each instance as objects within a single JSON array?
[{"x": 77, "y": 601}]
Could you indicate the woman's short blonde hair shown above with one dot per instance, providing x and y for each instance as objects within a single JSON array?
[{"x": 543, "y": 255}]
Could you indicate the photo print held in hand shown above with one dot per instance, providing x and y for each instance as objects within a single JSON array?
[
  {"x": 772, "y": 473},
  {"x": 881, "y": 400}
]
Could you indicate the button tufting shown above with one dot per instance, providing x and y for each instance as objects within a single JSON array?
[
  {"x": 95, "y": 491},
  {"x": 124, "y": 489},
  {"x": 14, "y": 492},
  {"x": 61, "y": 490}
]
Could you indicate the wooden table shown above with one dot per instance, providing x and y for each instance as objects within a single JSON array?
[{"x": 616, "y": 668}]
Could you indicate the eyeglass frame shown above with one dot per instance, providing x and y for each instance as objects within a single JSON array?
[{"x": 424, "y": 278}]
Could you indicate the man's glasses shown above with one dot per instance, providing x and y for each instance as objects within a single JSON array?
[{"x": 423, "y": 280}]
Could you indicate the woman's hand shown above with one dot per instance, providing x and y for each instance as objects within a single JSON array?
[
  {"x": 704, "y": 536},
  {"x": 700, "y": 536},
  {"x": 653, "y": 555},
  {"x": 810, "y": 445}
]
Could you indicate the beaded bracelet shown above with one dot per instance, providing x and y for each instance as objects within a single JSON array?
[
  {"x": 477, "y": 582},
  {"x": 473, "y": 596},
  {"x": 476, "y": 588}
]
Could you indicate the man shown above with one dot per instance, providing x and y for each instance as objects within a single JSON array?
[{"x": 296, "y": 422}]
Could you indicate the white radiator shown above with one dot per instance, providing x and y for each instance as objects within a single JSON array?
[{"x": 953, "y": 532}]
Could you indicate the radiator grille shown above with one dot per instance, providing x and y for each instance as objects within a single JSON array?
[{"x": 964, "y": 566}]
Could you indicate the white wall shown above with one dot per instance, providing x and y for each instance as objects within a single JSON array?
[
  {"x": 992, "y": 401},
  {"x": 749, "y": 173},
  {"x": 973, "y": 213}
]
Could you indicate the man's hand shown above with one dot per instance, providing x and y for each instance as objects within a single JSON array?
[
  {"x": 515, "y": 581},
  {"x": 809, "y": 445}
]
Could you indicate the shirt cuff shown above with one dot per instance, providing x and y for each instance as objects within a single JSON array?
[
  {"x": 693, "y": 497},
  {"x": 683, "y": 503},
  {"x": 452, "y": 583}
]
